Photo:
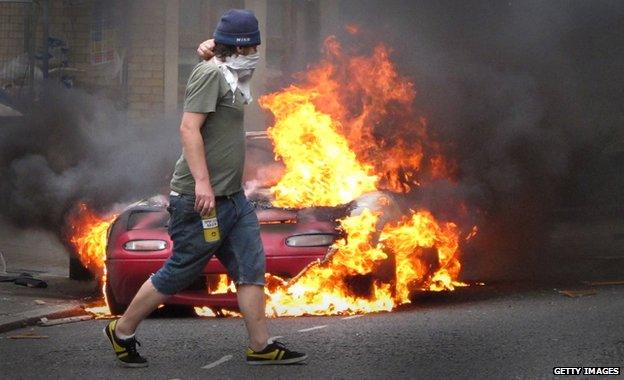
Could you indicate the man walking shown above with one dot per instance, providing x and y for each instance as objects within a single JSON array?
[{"x": 208, "y": 178}]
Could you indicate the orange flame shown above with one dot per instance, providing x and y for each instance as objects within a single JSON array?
[
  {"x": 321, "y": 170},
  {"x": 408, "y": 239},
  {"x": 350, "y": 127},
  {"x": 322, "y": 288},
  {"x": 347, "y": 128},
  {"x": 87, "y": 234},
  {"x": 352, "y": 279},
  {"x": 205, "y": 311},
  {"x": 223, "y": 286}
]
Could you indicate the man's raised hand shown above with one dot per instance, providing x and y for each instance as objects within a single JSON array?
[{"x": 205, "y": 50}]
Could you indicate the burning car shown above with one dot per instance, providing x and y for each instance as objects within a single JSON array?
[
  {"x": 363, "y": 255},
  {"x": 335, "y": 239},
  {"x": 138, "y": 245}
]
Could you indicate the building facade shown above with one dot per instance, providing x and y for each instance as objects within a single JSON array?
[{"x": 139, "y": 53}]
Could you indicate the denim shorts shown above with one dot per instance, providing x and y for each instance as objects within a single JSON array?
[{"x": 239, "y": 248}]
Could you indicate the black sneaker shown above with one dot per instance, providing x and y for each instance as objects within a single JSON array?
[
  {"x": 125, "y": 349},
  {"x": 274, "y": 353}
]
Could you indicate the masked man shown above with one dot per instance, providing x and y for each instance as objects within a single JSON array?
[{"x": 208, "y": 178}]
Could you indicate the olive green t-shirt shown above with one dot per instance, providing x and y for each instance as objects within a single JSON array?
[{"x": 223, "y": 133}]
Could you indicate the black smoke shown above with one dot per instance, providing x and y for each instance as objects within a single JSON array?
[
  {"x": 526, "y": 97},
  {"x": 71, "y": 146}
]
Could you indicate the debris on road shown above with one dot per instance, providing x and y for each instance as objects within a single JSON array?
[
  {"x": 8, "y": 277},
  {"x": 26, "y": 279},
  {"x": 604, "y": 283},
  {"x": 99, "y": 311},
  {"x": 578, "y": 293},
  {"x": 40, "y": 302},
  {"x": 53, "y": 322},
  {"x": 29, "y": 335}
]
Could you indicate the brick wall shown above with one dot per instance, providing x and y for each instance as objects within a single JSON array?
[
  {"x": 11, "y": 29},
  {"x": 141, "y": 32},
  {"x": 12, "y": 23},
  {"x": 71, "y": 24},
  {"x": 146, "y": 59},
  {"x": 141, "y": 20}
]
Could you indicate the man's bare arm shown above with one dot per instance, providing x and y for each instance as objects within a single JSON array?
[{"x": 193, "y": 150}]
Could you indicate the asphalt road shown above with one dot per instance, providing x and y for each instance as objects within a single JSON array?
[{"x": 485, "y": 332}]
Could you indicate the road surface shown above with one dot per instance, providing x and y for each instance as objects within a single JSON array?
[{"x": 493, "y": 331}]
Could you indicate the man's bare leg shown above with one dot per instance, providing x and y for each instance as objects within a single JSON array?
[
  {"x": 145, "y": 301},
  {"x": 251, "y": 303}
]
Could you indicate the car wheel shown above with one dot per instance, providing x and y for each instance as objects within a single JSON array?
[{"x": 115, "y": 307}]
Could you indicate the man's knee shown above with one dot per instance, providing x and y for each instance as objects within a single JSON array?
[
  {"x": 168, "y": 283},
  {"x": 153, "y": 287}
]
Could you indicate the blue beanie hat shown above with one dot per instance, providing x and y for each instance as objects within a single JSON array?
[{"x": 238, "y": 27}]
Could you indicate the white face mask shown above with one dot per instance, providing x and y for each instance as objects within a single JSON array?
[
  {"x": 239, "y": 71},
  {"x": 243, "y": 62}
]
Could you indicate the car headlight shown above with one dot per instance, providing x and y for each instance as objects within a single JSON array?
[
  {"x": 310, "y": 240},
  {"x": 145, "y": 245}
]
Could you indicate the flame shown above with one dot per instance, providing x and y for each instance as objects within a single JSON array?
[
  {"x": 321, "y": 169},
  {"x": 331, "y": 287},
  {"x": 408, "y": 239},
  {"x": 328, "y": 287},
  {"x": 349, "y": 127},
  {"x": 87, "y": 233},
  {"x": 223, "y": 286},
  {"x": 322, "y": 287},
  {"x": 205, "y": 311}
]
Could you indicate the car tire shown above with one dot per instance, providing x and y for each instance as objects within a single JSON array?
[{"x": 115, "y": 307}]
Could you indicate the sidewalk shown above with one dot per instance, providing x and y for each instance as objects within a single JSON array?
[
  {"x": 21, "y": 306},
  {"x": 40, "y": 254}
]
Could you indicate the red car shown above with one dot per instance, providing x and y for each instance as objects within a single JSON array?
[
  {"x": 138, "y": 242},
  {"x": 138, "y": 245}
]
